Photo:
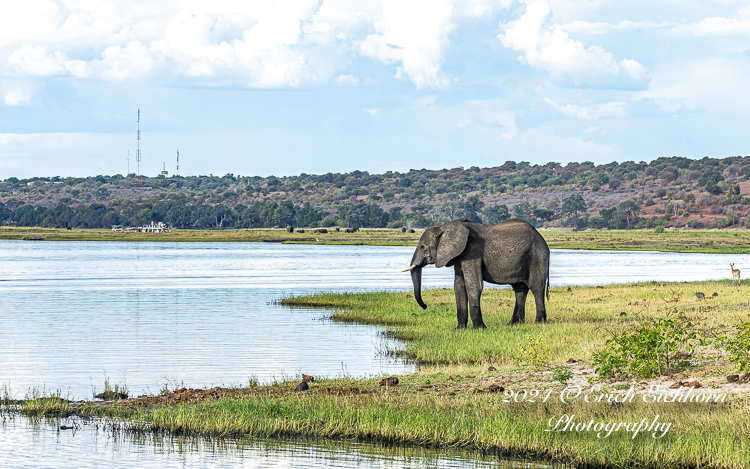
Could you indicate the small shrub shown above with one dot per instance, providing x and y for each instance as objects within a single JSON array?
[
  {"x": 649, "y": 348},
  {"x": 722, "y": 223},
  {"x": 659, "y": 229},
  {"x": 562, "y": 374},
  {"x": 738, "y": 347},
  {"x": 535, "y": 352}
]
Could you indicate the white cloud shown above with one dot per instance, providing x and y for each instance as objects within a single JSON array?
[
  {"x": 612, "y": 109},
  {"x": 37, "y": 61},
  {"x": 585, "y": 27},
  {"x": 347, "y": 80},
  {"x": 415, "y": 34},
  {"x": 17, "y": 98},
  {"x": 491, "y": 118},
  {"x": 27, "y": 20},
  {"x": 132, "y": 61},
  {"x": 371, "y": 112},
  {"x": 716, "y": 85},
  {"x": 263, "y": 43},
  {"x": 716, "y": 26},
  {"x": 551, "y": 48}
]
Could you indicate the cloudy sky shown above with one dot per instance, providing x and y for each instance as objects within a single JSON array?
[{"x": 286, "y": 87}]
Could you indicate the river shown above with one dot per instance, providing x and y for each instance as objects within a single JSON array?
[{"x": 156, "y": 315}]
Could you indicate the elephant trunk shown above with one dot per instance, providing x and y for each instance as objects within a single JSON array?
[{"x": 416, "y": 278}]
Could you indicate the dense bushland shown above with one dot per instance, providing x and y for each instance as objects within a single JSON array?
[{"x": 667, "y": 192}]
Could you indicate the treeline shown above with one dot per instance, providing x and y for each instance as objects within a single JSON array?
[
  {"x": 673, "y": 191},
  {"x": 184, "y": 215}
]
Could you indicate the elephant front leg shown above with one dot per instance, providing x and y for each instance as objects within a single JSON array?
[
  {"x": 462, "y": 310},
  {"x": 519, "y": 312},
  {"x": 474, "y": 286}
]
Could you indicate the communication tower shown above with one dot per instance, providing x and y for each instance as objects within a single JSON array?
[
  {"x": 138, "y": 177},
  {"x": 177, "y": 173}
]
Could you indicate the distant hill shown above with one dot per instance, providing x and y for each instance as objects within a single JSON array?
[{"x": 669, "y": 192}]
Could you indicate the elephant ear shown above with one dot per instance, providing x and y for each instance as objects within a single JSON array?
[{"x": 452, "y": 242}]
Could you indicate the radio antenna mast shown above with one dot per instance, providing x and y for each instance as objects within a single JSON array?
[
  {"x": 138, "y": 177},
  {"x": 178, "y": 162}
]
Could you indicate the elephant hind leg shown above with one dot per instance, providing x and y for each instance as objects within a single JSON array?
[
  {"x": 541, "y": 309},
  {"x": 519, "y": 312}
]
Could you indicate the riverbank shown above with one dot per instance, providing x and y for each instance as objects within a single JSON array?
[
  {"x": 475, "y": 388},
  {"x": 704, "y": 241}
]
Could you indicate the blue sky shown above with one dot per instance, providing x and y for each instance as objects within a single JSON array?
[{"x": 286, "y": 87}]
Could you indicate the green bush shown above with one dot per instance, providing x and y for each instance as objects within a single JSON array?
[
  {"x": 738, "y": 347},
  {"x": 649, "y": 348},
  {"x": 562, "y": 374},
  {"x": 535, "y": 352}
]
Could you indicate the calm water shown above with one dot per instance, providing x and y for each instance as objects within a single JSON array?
[
  {"x": 93, "y": 444},
  {"x": 202, "y": 314}
]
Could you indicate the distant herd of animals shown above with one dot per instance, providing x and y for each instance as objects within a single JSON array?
[{"x": 290, "y": 229}]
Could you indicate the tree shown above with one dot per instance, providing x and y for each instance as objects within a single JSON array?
[
  {"x": 470, "y": 208},
  {"x": 496, "y": 213},
  {"x": 630, "y": 210},
  {"x": 573, "y": 205}
]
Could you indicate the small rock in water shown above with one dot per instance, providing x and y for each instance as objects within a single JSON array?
[
  {"x": 302, "y": 386},
  {"x": 392, "y": 381}
]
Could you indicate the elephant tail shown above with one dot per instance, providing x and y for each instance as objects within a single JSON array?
[{"x": 547, "y": 286}]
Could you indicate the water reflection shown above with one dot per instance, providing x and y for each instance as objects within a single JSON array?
[{"x": 42, "y": 443}]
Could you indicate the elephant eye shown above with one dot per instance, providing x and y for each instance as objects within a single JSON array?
[{"x": 423, "y": 247}]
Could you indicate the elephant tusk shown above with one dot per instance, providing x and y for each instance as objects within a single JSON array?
[{"x": 406, "y": 270}]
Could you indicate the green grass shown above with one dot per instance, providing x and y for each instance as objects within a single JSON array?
[
  {"x": 708, "y": 241},
  {"x": 376, "y": 237},
  {"x": 701, "y": 437},
  {"x": 577, "y": 321}
]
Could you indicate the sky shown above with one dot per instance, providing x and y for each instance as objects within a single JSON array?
[{"x": 302, "y": 86}]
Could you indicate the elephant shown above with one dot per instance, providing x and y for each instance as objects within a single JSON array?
[
  {"x": 289, "y": 229},
  {"x": 320, "y": 230},
  {"x": 508, "y": 253},
  {"x": 351, "y": 230}
]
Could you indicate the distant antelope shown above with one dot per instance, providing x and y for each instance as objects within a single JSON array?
[{"x": 735, "y": 274}]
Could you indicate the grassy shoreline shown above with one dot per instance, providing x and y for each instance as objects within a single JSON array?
[
  {"x": 454, "y": 399},
  {"x": 703, "y": 241}
]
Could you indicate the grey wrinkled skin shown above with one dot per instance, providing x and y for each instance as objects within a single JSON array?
[{"x": 508, "y": 253}]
